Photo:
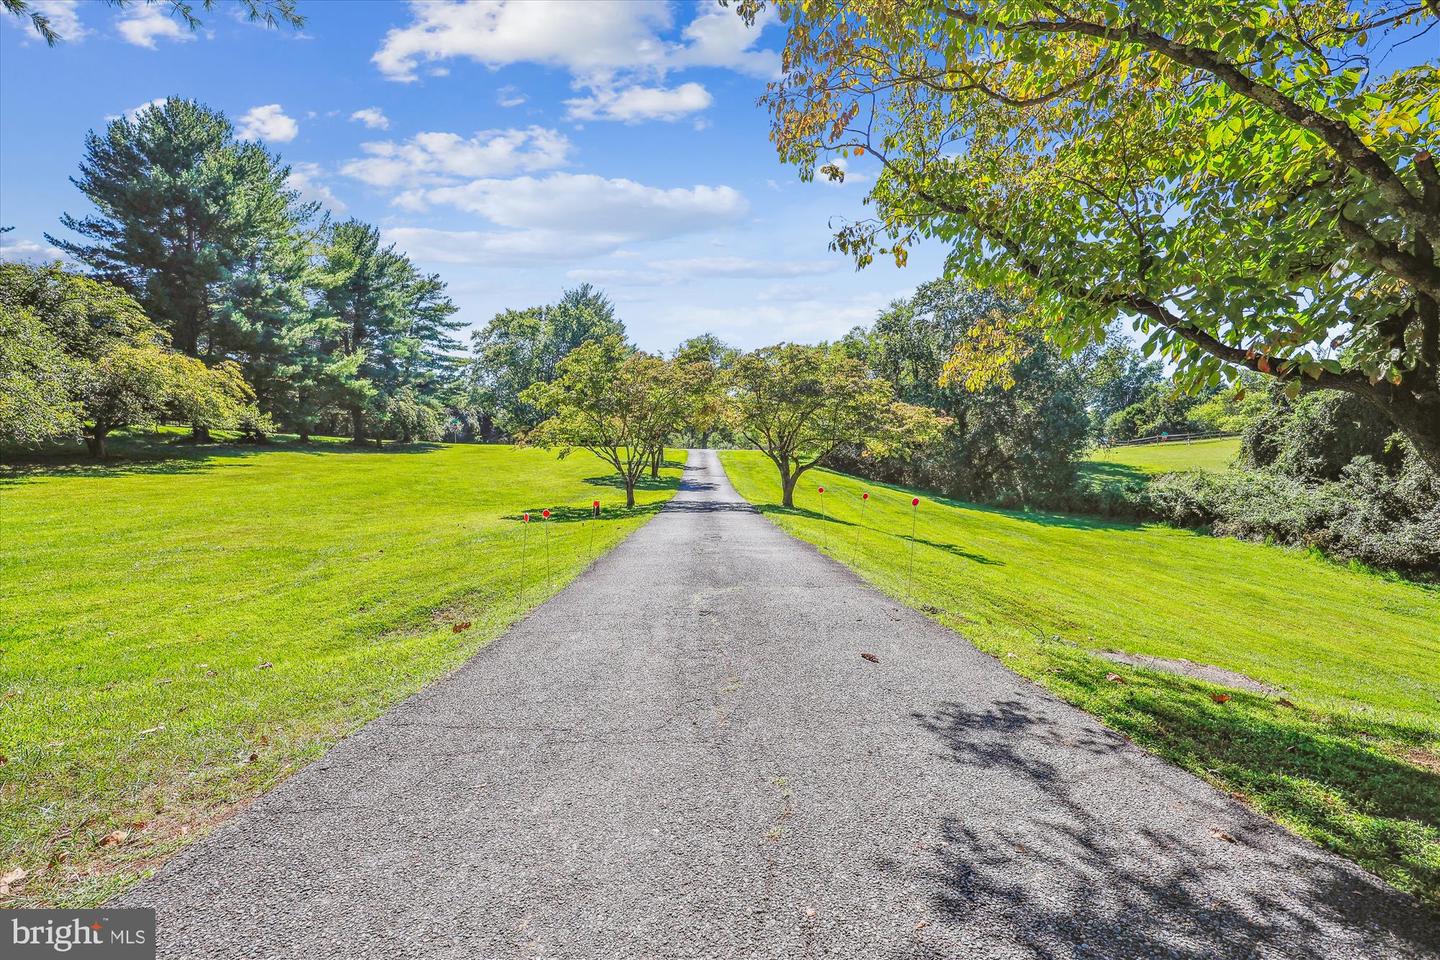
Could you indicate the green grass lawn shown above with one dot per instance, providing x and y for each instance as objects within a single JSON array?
[
  {"x": 1133, "y": 465},
  {"x": 1354, "y": 764},
  {"x": 177, "y": 635}
]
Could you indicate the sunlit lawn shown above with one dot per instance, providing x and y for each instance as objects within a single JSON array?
[
  {"x": 1354, "y": 764},
  {"x": 178, "y": 635},
  {"x": 1133, "y": 465}
]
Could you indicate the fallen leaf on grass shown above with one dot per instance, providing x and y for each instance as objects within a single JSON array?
[
  {"x": 150, "y": 730},
  {"x": 1219, "y": 834},
  {"x": 460, "y": 627},
  {"x": 114, "y": 838},
  {"x": 1220, "y": 697},
  {"x": 1285, "y": 703},
  {"x": 14, "y": 876},
  {"x": 1114, "y": 678},
  {"x": 254, "y": 757},
  {"x": 870, "y": 656},
  {"x": 3, "y": 759},
  {"x": 265, "y": 666}
]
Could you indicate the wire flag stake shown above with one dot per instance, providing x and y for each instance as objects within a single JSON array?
[
  {"x": 824, "y": 523},
  {"x": 910, "y": 573},
  {"x": 545, "y": 522},
  {"x": 864, "y": 512},
  {"x": 524, "y": 544}
]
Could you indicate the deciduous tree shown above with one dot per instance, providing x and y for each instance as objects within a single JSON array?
[
  {"x": 518, "y": 348},
  {"x": 616, "y": 402},
  {"x": 1251, "y": 183},
  {"x": 797, "y": 404}
]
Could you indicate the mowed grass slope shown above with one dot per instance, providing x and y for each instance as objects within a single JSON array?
[
  {"x": 1132, "y": 466},
  {"x": 1347, "y": 753},
  {"x": 177, "y": 636},
  {"x": 1213, "y": 456}
]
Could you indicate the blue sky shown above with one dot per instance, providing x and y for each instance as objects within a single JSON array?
[{"x": 515, "y": 149}]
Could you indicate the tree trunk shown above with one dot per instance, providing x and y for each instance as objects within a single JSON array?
[
  {"x": 787, "y": 486},
  {"x": 629, "y": 493},
  {"x": 1416, "y": 413},
  {"x": 357, "y": 425},
  {"x": 96, "y": 443},
  {"x": 199, "y": 433},
  {"x": 655, "y": 463},
  {"x": 304, "y": 435}
]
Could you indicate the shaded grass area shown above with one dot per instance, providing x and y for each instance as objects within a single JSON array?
[
  {"x": 182, "y": 627},
  {"x": 1348, "y": 754}
]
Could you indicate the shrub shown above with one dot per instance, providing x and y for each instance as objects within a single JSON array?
[{"x": 1368, "y": 514}]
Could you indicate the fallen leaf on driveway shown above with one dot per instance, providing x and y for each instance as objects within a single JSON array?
[
  {"x": 810, "y": 913},
  {"x": 1219, "y": 834},
  {"x": 922, "y": 924},
  {"x": 870, "y": 656},
  {"x": 1114, "y": 678},
  {"x": 1220, "y": 697},
  {"x": 115, "y": 839},
  {"x": 14, "y": 876}
]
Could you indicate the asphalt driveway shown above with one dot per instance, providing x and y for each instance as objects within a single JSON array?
[{"x": 685, "y": 755}]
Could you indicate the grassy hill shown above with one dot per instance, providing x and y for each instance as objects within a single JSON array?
[
  {"x": 1134, "y": 464},
  {"x": 1347, "y": 752},
  {"x": 182, "y": 629}
]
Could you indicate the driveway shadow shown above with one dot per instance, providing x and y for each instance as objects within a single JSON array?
[{"x": 1065, "y": 881}]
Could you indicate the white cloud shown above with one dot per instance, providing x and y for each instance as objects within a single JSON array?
[
  {"x": 372, "y": 117},
  {"x": 589, "y": 204},
  {"x": 717, "y": 37},
  {"x": 684, "y": 270},
  {"x": 308, "y": 180},
  {"x": 610, "y": 47},
  {"x": 133, "y": 114},
  {"x": 497, "y": 248},
  {"x": 438, "y": 158},
  {"x": 267, "y": 123},
  {"x": 634, "y": 104},
  {"x": 143, "y": 24},
  {"x": 799, "y": 321},
  {"x": 564, "y": 217},
  {"x": 29, "y": 251},
  {"x": 64, "y": 17},
  {"x": 582, "y": 36},
  {"x": 510, "y": 96}
]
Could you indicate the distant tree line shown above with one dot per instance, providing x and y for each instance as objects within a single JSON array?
[{"x": 198, "y": 247}]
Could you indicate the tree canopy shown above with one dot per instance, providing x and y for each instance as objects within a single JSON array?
[
  {"x": 619, "y": 403},
  {"x": 1247, "y": 183},
  {"x": 798, "y": 404},
  {"x": 518, "y": 348},
  {"x": 1006, "y": 442},
  {"x": 89, "y": 354}
]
